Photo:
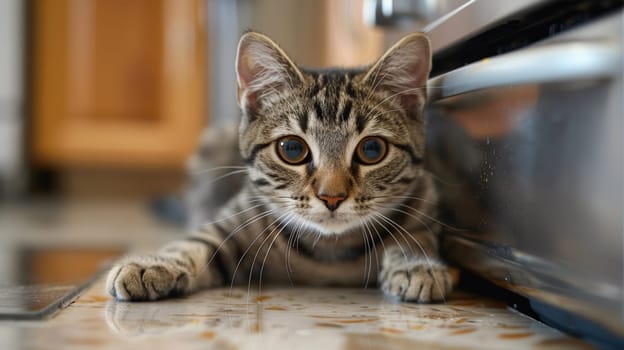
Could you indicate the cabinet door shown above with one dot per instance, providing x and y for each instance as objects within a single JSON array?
[{"x": 117, "y": 83}]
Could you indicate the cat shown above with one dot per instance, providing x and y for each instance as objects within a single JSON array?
[{"x": 335, "y": 191}]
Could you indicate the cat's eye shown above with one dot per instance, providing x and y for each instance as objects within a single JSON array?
[
  {"x": 371, "y": 150},
  {"x": 292, "y": 150}
]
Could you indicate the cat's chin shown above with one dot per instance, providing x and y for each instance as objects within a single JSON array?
[{"x": 330, "y": 225}]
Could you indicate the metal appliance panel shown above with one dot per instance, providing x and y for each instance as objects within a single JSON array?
[
  {"x": 528, "y": 150},
  {"x": 472, "y": 17}
]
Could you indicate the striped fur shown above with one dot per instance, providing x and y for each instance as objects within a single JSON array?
[{"x": 277, "y": 229}]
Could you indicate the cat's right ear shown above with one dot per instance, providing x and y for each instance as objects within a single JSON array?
[{"x": 263, "y": 71}]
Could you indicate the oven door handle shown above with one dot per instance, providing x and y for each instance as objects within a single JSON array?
[{"x": 558, "y": 62}]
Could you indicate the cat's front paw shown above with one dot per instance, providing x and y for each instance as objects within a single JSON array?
[
  {"x": 418, "y": 281},
  {"x": 147, "y": 278}
]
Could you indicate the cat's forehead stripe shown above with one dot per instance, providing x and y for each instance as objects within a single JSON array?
[
  {"x": 333, "y": 96},
  {"x": 318, "y": 110},
  {"x": 360, "y": 123},
  {"x": 346, "y": 110},
  {"x": 303, "y": 122}
]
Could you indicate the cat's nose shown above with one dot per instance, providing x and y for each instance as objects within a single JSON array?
[{"x": 332, "y": 201}]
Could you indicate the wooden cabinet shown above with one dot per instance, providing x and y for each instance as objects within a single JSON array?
[{"x": 117, "y": 83}]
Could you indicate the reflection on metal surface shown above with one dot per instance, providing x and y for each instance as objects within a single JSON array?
[
  {"x": 50, "y": 279},
  {"x": 539, "y": 279},
  {"x": 561, "y": 62},
  {"x": 471, "y": 18},
  {"x": 534, "y": 169},
  {"x": 491, "y": 113},
  {"x": 34, "y": 302}
]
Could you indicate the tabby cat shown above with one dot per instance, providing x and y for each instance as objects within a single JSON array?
[{"x": 335, "y": 192}]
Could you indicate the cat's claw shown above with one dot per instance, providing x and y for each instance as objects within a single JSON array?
[
  {"x": 418, "y": 282},
  {"x": 145, "y": 279}
]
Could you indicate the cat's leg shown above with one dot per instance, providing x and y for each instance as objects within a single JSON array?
[
  {"x": 409, "y": 274},
  {"x": 178, "y": 268}
]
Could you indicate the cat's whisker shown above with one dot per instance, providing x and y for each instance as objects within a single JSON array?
[
  {"x": 443, "y": 181},
  {"x": 404, "y": 234},
  {"x": 370, "y": 227},
  {"x": 387, "y": 220},
  {"x": 251, "y": 244},
  {"x": 389, "y": 232},
  {"x": 244, "y": 254},
  {"x": 385, "y": 112},
  {"x": 420, "y": 220},
  {"x": 271, "y": 235},
  {"x": 406, "y": 197},
  {"x": 317, "y": 239},
  {"x": 370, "y": 250},
  {"x": 240, "y": 227},
  {"x": 248, "y": 222},
  {"x": 237, "y": 213},
  {"x": 294, "y": 237},
  {"x": 226, "y": 175},
  {"x": 209, "y": 170},
  {"x": 376, "y": 83},
  {"x": 420, "y": 212},
  {"x": 403, "y": 92},
  {"x": 290, "y": 219},
  {"x": 366, "y": 254},
  {"x": 426, "y": 256},
  {"x": 416, "y": 218},
  {"x": 383, "y": 275}
]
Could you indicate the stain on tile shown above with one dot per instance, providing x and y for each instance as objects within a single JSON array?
[
  {"x": 256, "y": 328},
  {"x": 357, "y": 341},
  {"x": 417, "y": 327},
  {"x": 519, "y": 335},
  {"x": 262, "y": 298},
  {"x": 508, "y": 326},
  {"x": 328, "y": 325},
  {"x": 276, "y": 308},
  {"x": 358, "y": 320},
  {"x": 437, "y": 316},
  {"x": 391, "y": 330},
  {"x": 208, "y": 335},
  {"x": 463, "y": 331}
]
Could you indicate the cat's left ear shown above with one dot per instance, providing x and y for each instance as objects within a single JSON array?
[
  {"x": 263, "y": 71},
  {"x": 403, "y": 71}
]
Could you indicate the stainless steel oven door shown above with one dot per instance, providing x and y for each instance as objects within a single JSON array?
[{"x": 529, "y": 153}]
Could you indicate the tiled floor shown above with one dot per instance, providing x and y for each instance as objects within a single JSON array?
[
  {"x": 285, "y": 318},
  {"x": 277, "y": 318}
]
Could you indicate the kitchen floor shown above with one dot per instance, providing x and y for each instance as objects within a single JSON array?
[{"x": 241, "y": 318}]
